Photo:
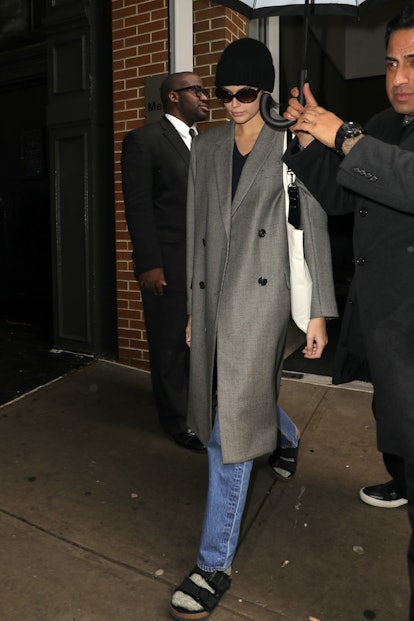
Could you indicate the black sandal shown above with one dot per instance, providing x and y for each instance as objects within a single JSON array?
[
  {"x": 203, "y": 591},
  {"x": 284, "y": 462}
]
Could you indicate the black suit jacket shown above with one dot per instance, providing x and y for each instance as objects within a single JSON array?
[
  {"x": 375, "y": 181},
  {"x": 155, "y": 163}
]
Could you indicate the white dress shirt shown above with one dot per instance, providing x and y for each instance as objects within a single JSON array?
[{"x": 182, "y": 128}]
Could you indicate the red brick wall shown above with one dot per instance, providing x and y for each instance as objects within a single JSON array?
[{"x": 140, "y": 49}]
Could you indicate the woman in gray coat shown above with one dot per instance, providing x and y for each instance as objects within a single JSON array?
[{"x": 239, "y": 305}]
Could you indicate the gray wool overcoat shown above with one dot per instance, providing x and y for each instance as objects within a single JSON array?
[{"x": 238, "y": 287}]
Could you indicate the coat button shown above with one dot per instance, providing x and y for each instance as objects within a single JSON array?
[
  {"x": 202, "y": 285},
  {"x": 262, "y": 233},
  {"x": 262, "y": 281},
  {"x": 363, "y": 212},
  {"x": 360, "y": 261}
]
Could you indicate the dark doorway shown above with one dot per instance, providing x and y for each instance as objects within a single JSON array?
[
  {"x": 25, "y": 267},
  {"x": 56, "y": 245},
  {"x": 27, "y": 359}
]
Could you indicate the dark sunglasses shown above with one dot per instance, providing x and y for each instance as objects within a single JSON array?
[
  {"x": 196, "y": 88},
  {"x": 244, "y": 95}
]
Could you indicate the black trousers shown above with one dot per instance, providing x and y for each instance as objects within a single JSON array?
[
  {"x": 165, "y": 320},
  {"x": 396, "y": 467}
]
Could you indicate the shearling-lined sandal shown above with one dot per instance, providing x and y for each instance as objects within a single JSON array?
[
  {"x": 198, "y": 594},
  {"x": 284, "y": 462}
]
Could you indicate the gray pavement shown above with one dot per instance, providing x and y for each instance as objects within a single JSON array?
[{"x": 100, "y": 512}]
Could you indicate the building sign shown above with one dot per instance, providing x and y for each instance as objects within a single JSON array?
[{"x": 153, "y": 105}]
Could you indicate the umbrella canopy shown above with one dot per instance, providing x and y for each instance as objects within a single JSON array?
[
  {"x": 253, "y": 9},
  {"x": 267, "y": 8}
]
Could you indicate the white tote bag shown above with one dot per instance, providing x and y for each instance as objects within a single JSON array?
[{"x": 300, "y": 278}]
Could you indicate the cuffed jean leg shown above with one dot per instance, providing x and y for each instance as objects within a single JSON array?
[
  {"x": 227, "y": 492},
  {"x": 288, "y": 433}
]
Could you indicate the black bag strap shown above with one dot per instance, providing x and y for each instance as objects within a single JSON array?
[{"x": 293, "y": 193}]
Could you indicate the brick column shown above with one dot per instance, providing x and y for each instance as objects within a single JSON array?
[{"x": 140, "y": 49}]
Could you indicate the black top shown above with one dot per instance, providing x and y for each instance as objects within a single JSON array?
[{"x": 239, "y": 161}]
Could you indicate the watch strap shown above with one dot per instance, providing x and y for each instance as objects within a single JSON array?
[{"x": 346, "y": 131}]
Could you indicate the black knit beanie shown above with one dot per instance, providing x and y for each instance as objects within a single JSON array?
[{"x": 246, "y": 61}]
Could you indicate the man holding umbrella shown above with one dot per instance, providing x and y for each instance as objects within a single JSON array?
[{"x": 370, "y": 172}]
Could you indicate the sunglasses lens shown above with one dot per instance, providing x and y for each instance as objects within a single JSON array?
[
  {"x": 247, "y": 95},
  {"x": 244, "y": 95},
  {"x": 199, "y": 91},
  {"x": 223, "y": 95}
]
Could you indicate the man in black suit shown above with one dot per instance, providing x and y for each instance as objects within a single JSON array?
[
  {"x": 370, "y": 172},
  {"x": 155, "y": 161}
]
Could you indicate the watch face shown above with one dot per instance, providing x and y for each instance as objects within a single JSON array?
[
  {"x": 347, "y": 130},
  {"x": 352, "y": 129}
]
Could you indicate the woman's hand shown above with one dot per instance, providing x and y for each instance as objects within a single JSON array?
[
  {"x": 188, "y": 332},
  {"x": 316, "y": 338}
]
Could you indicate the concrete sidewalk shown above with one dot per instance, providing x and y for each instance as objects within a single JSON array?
[{"x": 100, "y": 513}]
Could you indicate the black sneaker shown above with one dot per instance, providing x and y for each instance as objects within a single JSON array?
[{"x": 383, "y": 495}]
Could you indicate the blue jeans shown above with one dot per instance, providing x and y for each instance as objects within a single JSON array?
[
  {"x": 288, "y": 433},
  {"x": 226, "y": 498}
]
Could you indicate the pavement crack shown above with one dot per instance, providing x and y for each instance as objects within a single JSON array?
[{"x": 82, "y": 547}]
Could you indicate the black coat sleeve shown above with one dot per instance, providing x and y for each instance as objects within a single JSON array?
[
  {"x": 373, "y": 170},
  {"x": 317, "y": 167},
  {"x": 137, "y": 186},
  {"x": 380, "y": 172}
]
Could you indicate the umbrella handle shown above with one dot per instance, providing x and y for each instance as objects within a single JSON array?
[
  {"x": 268, "y": 119},
  {"x": 266, "y": 99}
]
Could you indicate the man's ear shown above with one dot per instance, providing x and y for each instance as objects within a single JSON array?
[{"x": 173, "y": 96}]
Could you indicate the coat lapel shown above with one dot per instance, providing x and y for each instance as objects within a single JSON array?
[
  {"x": 175, "y": 140},
  {"x": 222, "y": 156},
  {"x": 408, "y": 134},
  {"x": 255, "y": 163}
]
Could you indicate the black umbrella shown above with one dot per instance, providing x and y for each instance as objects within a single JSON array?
[{"x": 267, "y": 8}]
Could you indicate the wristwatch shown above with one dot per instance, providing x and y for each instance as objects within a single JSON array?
[{"x": 347, "y": 130}]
